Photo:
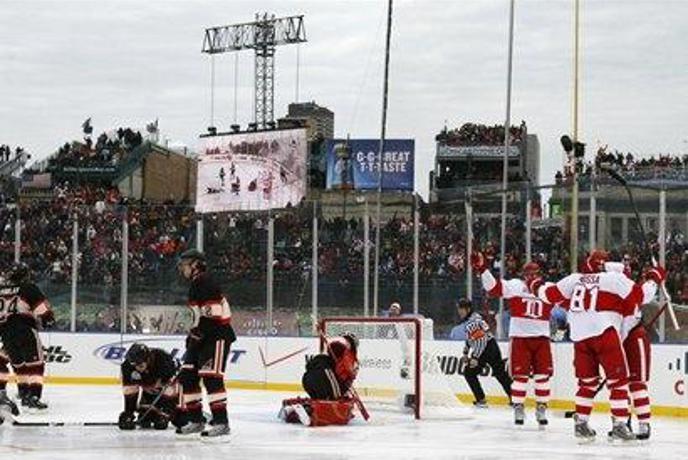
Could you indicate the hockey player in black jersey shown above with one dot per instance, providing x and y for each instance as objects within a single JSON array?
[
  {"x": 23, "y": 310},
  {"x": 481, "y": 348},
  {"x": 149, "y": 389},
  {"x": 207, "y": 348}
]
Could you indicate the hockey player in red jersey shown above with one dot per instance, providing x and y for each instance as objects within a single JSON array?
[
  {"x": 596, "y": 304},
  {"x": 530, "y": 351},
  {"x": 636, "y": 343},
  {"x": 328, "y": 381}
]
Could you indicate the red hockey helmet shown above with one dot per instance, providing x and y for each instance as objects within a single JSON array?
[
  {"x": 531, "y": 270},
  {"x": 595, "y": 261}
]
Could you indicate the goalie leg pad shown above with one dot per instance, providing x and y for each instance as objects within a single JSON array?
[{"x": 338, "y": 412}]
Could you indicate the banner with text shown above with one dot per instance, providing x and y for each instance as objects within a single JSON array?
[{"x": 357, "y": 166}]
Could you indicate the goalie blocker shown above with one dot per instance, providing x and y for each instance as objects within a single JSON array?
[{"x": 328, "y": 381}]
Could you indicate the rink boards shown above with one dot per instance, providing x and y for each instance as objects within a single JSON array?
[{"x": 277, "y": 363}]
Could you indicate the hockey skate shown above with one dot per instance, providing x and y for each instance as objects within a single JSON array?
[
  {"x": 620, "y": 433},
  {"x": 519, "y": 414},
  {"x": 583, "y": 432},
  {"x": 643, "y": 431},
  {"x": 8, "y": 409},
  {"x": 191, "y": 428},
  {"x": 541, "y": 414},
  {"x": 32, "y": 404},
  {"x": 215, "y": 431},
  {"x": 481, "y": 404}
]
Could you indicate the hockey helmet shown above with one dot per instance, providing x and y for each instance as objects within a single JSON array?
[
  {"x": 531, "y": 270},
  {"x": 192, "y": 255},
  {"x": 19, "y": 273},
  {"x": 137, "y": 354},
  {"x": 595, "y": 261},
  {"x": 352, "y": 339}
]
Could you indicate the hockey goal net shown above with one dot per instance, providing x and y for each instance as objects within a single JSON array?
[{"x": 399, "y": 366}]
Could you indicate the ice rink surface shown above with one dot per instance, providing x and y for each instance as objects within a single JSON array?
[{"x": 258, "y": 434}]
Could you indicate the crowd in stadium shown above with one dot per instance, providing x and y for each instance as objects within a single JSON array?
[
  {"x": 236, "y": 243},
  {"x": 110, "y": 148},
  {"x": 662, "y": 166},
  {"x": 158, "y": 233},
  {"x": 8, "y": 154},
  {"x": 473, "y": 134}
]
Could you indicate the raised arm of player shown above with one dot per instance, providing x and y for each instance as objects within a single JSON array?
[{"x": 494, "y": 287}]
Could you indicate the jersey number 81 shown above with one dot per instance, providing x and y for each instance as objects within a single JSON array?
[{"x": 584, "y": 298}]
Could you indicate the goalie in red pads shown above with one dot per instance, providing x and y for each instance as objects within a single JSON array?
[{"x": 328, "y": 381}]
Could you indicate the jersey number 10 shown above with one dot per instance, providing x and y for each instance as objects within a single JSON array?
[{"x": 534, "y": 308}]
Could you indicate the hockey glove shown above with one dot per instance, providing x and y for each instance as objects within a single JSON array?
[
  {"x": 126, "y": 421},
  {"x": 472, "y": 363},
  {"x": 47, "y": 319},
  {"x": 478, "y": 262},
  {"x": 559, "y": 335},
  {"x": 657, "y": 274},
  {"x": 534, "y": 285}
]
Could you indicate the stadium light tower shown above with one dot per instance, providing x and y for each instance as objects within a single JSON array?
[{"x": 263, "y": 36}]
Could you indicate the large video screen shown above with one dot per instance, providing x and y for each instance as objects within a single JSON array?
[{"x": 251, "y": 171}]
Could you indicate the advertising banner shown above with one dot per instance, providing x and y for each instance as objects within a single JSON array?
[
  {"x": 279, "y": 362},
  {"x": 357, "y": 166},
  {"x": 251, "y": 171},
  {"x": 478, "y": 151}
]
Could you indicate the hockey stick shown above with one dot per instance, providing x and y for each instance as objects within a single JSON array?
[
  {"x": 53, "y": 424},
  {"x": 656, "y": 316},
  {"x": 173, "y": 381},
  {"x": 354, "y": 394},
  {"x": 616, "y": 176}
]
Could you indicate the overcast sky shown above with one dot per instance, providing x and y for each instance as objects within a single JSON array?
[{"x": 125, "y": 63}]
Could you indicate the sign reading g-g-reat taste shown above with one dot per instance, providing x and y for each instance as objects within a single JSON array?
[{"x": 360, "y": 170}]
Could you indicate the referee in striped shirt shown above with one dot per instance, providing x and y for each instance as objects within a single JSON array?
[{"x": 481, "y": 348}]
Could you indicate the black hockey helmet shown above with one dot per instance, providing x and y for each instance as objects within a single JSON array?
[
  {"x": 353, "y": 340},
  {"x": 19, "y": 273},
  {"x": 137, "y": 354},
  {"x": 192, "y": 255}
]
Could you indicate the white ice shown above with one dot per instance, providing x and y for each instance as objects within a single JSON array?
[{"x": 258, "y": 434}]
